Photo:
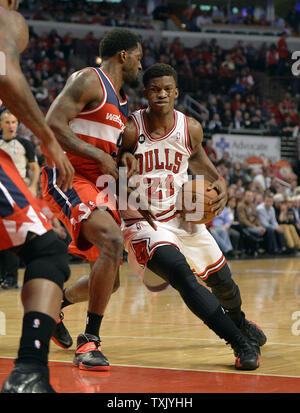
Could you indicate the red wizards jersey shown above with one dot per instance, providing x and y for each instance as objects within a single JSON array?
[
  {"x": 100, "y": 126},
  {"x": 19, "y": 212}
]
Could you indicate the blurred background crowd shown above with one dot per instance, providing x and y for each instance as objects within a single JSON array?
[{"x": 263, "y": 212}]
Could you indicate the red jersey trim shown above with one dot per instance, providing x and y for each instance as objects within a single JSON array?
[
  {"x": 187, "y": 136},
  {"x": 212, "y": 268},
  {"x": 160, "y": 138}
]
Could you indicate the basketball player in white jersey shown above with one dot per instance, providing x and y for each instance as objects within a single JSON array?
[{"x": 166, "y": 143}]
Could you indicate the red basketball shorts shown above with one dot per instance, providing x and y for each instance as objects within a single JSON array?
[{"x": 74, "y": 206}]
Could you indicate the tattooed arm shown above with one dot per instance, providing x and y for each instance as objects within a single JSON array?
[{"x": 82, "y": 91}]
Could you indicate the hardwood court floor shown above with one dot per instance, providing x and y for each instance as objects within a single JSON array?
[{"x": 156, "y": 345}]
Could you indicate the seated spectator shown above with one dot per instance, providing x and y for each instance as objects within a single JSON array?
[
  {"x": 263, "y": 178},
  {"x": 223, "y": 169},
  {"x": 237, "y": 102},
  {"x": 227, "y": 118},
  {"x": 293, "y": 188},
  {"x": 258, "y": 198},
  {"x": 287, "y": 126},
  {"x": 249, "y": 220},
  {"x": 215, "y": 125},
  {"x": 274, "y": 235},
  {"x": 220, "y": 228},
  {"x": 238, "y": 121},
  {"x": 296, "y": 206},
  {"x": 237, "y": 173},
  {"x": 256, "y": 122},
  {"x": 204, "y": 120},
  {"x": 247, "y": 120},
  {"x": 285, "y": 221},
  {"x": 202, "y": 19},
  {"x": 278, "y": 22},
  {"x": 273, "y": 127}
]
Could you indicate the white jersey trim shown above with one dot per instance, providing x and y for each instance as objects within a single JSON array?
[{"x": 90, "y": 128}]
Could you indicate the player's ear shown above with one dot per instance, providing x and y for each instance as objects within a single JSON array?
[
  {"x": 176, "y": 93},
  {"x": 144, "y": 91},
  {"x": 13, "y": 4},
  {"x": 123, "y": 55}
]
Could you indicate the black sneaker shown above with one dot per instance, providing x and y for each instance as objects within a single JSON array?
[
  {"x": 26, "y": 378},
  {"x": 61, "y": 336},
  {"x": 247, "y": 353},
  {"x": 252, "y": 331},
  {"x": 88, "y": 355},
  {"x": 9, "y": 283}
]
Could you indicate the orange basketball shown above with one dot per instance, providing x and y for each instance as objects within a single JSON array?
[{"x": 193, "y": 200}]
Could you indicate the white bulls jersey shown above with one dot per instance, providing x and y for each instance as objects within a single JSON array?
[{"x": 162, "y": 165}]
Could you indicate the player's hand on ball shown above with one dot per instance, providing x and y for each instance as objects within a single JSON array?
[{"x": 218, "y": 203}]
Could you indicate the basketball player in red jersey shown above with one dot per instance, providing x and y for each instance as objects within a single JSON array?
[
  {"x": 88, "y": 118},
  {"x": 23, "y": 227}
]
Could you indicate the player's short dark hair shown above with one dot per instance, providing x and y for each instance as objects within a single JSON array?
[
  {"x": 116, "y": 40},
  {"x": 159, "y": 70}
]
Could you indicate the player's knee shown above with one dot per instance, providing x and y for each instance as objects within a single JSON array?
[
  {"x": 114, "y": 239},
  {"x": 222, "y": 284},
  {"x": 46, "y": 257},
  {"x": 110, "y": 241},
  {"x": 171, "y": 264}
]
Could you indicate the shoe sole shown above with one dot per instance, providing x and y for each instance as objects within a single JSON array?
[
  {"x": 60, "y": 344},
  {"x": 240, "y": 366},
  {"x": 263, "y": 339},
  {"x": 85, "y": 367}
]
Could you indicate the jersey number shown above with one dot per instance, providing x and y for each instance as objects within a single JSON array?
[{"x": 156, "y": 187}]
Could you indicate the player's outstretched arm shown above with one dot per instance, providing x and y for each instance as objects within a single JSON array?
[
  {"x": 200, "y": 164},
  {"x": 82, "y": 91},
  {"x": 16, "y": 94}
]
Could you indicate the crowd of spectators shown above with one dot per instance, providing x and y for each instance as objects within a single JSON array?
[
  {"x": 142, "y": 13},
  {"x": 224, "y": 82},
  {"x": 130, "y": 13},
  {"x": 194, "y": 17},
  {"x": 262, "y": 215}
]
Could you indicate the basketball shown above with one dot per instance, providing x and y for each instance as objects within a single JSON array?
[{"x": 193, "y": 200}]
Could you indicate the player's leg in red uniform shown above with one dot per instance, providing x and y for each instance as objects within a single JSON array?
[
  {"x": 92, "y": 230},
  {"x": 26, "y": 231}
]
